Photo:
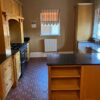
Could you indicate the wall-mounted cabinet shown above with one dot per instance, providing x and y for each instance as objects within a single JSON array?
[
  {"x": 13, "y": 7},
  {"x": 10, "y": 10}
]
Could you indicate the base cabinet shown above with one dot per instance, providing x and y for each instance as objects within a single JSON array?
[
  {"x": 74, "y": 82},
  {"x": 28, "y": 51},
  {"x": 90, "y": 85},
  {"x": 16, "y": 68},
  {"x": 6, "y": 77},
  {"x": 64, "y": 82}
]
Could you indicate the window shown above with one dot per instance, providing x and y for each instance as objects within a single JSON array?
[
  {"x": 96, "y": 31},
  {"x": 50, "y": 23}
]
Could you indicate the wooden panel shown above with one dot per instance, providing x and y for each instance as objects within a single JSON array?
[
  {"x": 28, "y": 51},
  {"x": 6, "y": 35},
  {"x": 2, "y": 39},
  {"x": 7, "y": 77},
  {"x": 90, "y": 83},
  {"x": 22, "y": 31},
  {"x": 17, "y": 68},
  {"x": 18, "y": 65},
  {"x": 7, "y": 85},
  {"x": 7, "y": 69},
  {"x": 65, "y": 95},
  {"x": 15, "y": 31},
  {"x": 65, "y": 71},
  {"x": 85, "y": 21},
  {"x": 65, "y": 84}
]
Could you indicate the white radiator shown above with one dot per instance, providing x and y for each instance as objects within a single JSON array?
[{"x": 50, "y": 45}]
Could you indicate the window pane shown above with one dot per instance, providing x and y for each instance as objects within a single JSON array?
[
  {"x": 50, "y": 23},
  {"x": 50, "y": 29},
  {"x": 55, "y": 29}
]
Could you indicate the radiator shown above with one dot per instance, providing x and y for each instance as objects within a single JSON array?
[{"x": 50, "y": 45}]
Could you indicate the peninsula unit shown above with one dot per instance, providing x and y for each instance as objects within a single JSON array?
[{"x": 74, "y": 76}]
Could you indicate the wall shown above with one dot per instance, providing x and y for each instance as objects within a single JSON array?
[
  {"x": 31, "y": 12},
  {"x": 97, "y": 3}
]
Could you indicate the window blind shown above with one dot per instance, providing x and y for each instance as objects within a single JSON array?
[
  {"x": 49, "y": 16},
  {"x": 50, "y": 22}
]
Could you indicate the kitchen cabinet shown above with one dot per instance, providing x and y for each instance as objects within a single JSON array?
[
  {"x": 84, "y": 21},
  {"x": 6, "y": 77},
  {"x": 73, "y": 76},
  {"x": 10, "y": 10},
  {"x": 64, "y": 82},
  {"x": 12, "y": 7},
  {"x": 16, "y": 67},
  {"x": 4, "y": 35},
  {"x": 28, "y": 51}
]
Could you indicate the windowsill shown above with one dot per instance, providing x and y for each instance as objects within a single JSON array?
[{"x": 49, "y": 35}]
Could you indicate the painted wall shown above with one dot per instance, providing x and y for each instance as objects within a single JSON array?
[
  {"x": 31, "y": 12},
  {"x": 97, "y": 3}
]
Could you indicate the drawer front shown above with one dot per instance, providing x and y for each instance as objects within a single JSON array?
[{"x": 7, "y": 86}]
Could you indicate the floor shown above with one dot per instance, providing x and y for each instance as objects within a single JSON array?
[{"x": 34, "y": 83}]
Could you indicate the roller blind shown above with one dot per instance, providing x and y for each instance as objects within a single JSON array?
[{"x": 50, "y": 22}]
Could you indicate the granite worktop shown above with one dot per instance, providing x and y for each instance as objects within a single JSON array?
[
  {"x": 3, "y": 57},
  {"x": 26, "y": 39},
  {"x": 73, "y": 59}
]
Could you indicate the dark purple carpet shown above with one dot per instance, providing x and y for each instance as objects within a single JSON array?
[{"x": 34, "y": 83}]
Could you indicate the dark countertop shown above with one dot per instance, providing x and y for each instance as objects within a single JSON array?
[
  {"x": 88, "y": 47},
  {"x": 26, "y": 39},
  {"x": 3, "y": 57},
  {"x": 73, "y": 59}
]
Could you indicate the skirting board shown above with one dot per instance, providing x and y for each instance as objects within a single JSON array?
[{"x": 43, "y": 54}]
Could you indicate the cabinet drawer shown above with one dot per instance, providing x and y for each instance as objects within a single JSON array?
[
  {"x": 7, "y": 63},
  {"x": 65, "y": 95},
  {"x": 8, "y": 70},
  {"x": 65, "y": 84},
  {"x": 7, "y": 86},
  {"x": 65, "y": 71}
]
